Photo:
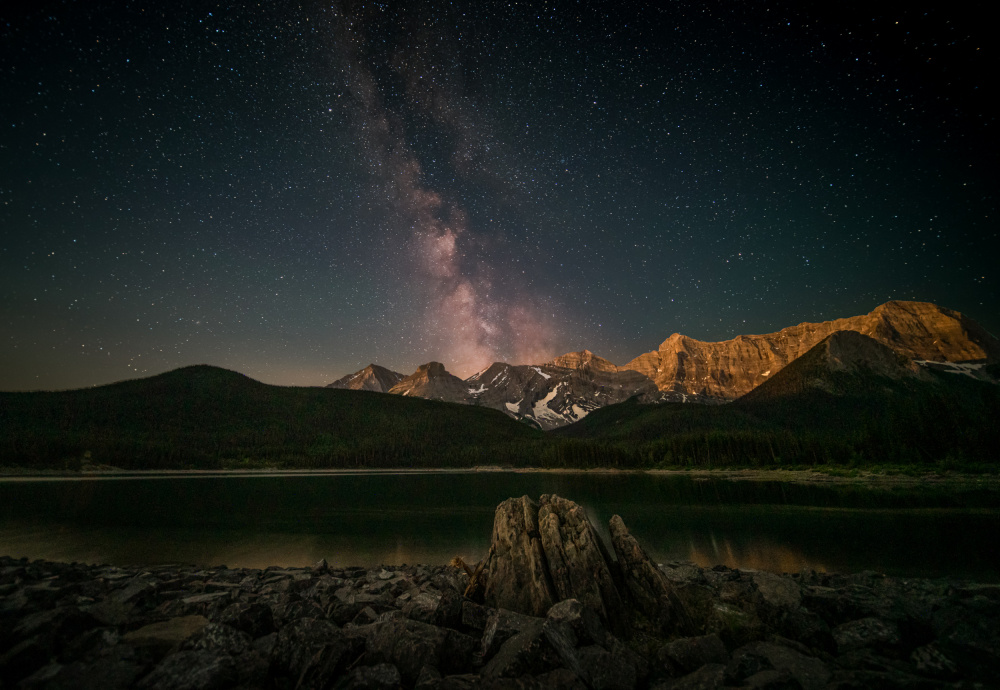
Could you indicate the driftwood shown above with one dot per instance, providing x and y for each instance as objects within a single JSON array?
[{"x": 476, "y": 584}]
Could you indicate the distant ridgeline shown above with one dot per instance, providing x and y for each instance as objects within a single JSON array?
[{"x": 908, "y": 384}]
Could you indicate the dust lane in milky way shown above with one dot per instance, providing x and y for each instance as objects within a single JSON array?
[{"x": 296, "y": 191}]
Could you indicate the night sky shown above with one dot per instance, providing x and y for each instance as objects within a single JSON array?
[{"x": 294, "y": 190}]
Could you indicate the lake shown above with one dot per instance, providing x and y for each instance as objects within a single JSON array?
[{"x": 370, "y": 518}]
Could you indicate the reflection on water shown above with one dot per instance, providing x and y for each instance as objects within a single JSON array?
[
  {"x": 367, "y": 519},
  {"x": 764, "y": 555}
]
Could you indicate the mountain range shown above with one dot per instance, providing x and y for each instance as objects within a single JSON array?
[
  {"x": 904, "y": 338},
  {"x": 852, "y": 399}
]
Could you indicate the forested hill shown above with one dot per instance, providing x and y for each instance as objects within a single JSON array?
[{"x": 207, "y": 417}]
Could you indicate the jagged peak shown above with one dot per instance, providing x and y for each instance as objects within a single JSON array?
[{"x": 677, "y": 341}]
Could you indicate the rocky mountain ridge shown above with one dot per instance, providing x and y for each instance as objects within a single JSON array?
[
  {"x": 566, "y": 388},
  {"x": 731, "y": 368}
]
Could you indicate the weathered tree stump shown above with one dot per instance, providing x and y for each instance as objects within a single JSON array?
[{"x": 546, "y": 552}]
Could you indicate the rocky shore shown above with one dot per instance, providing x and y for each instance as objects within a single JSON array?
[{"x": 548, "y": 608}]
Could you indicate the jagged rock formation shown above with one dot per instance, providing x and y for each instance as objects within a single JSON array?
[
  {"x": 551, "y": 396},
  {"x": 726, "y": 370},
  {"x": 432, "y": 381},
  {"x": 371, "y": 378}
]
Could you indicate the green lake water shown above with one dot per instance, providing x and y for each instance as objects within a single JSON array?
[{"x": 390, "y": 518}]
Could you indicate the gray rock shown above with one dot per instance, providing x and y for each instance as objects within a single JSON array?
[
  {"x": 751, "y": 659},
  {"x": 102, "y": 674},
  {"x": 736, "y": 622},
  {"x": 297, "y": 643},
  {"x": 931, "y": 661},
  {"x": 221, "y": 639},
  {"x": 427, "y": 678},
  {"x": 409, "y": 645},
  {"x": 585, "y": 624},
  {"x": 865, "y": 632},
  {"x": 968, "y": 633},
  {"x": 328, "y": 663},
  {"x": 778, "y": 591},
  {"x": 772, "y": 680},
  {"x": 688, "y": 654},
  {"x": 377, "y": 677},
  {"x": 449, "y": 610},
  {"x": 254, "y": 619},
  {"x": 23, "y": 659},
  {"x": 55, "y": 626},
  {"x": 475, "y": 616},
  {"x": 708, "y": 677},
  {"x": 166, "y": 635},
  {"x": 192, "y": 670},
  {"x": 500, "y": 627},
  {"x": 465, "y": 681},
  {"x": 526, "y": 653},
  {"x": 602, "y": 670},
  {"x": 422, "y": 607},
  {"x": 562, "y": 639}
]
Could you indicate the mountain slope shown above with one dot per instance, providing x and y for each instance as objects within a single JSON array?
[
  {"x": 371, "y": 378},
  {"x": 823, "y": 367},
  {"x": 728, "y": 369}
]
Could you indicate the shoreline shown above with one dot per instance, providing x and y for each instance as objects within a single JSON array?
[
  {"x": 171, "y": 626},
  {"x": 886, "y": 478}
]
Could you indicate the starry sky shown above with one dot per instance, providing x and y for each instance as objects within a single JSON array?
[{"x": 296, "y": 189}]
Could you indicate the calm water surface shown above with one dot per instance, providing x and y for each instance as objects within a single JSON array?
[{"x": 371, "y": 518}]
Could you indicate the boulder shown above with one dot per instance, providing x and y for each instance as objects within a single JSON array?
[
  {"x": 500, "y": 627},
  {"x": 409, "y": 645},
  {"x": 865, "y": 632},
  {"x": 192, "y": 670},
  {"x": 528, "y": 652},
  {"x": 167, "y": 634},
  {"x": 811, "y": 673},
  {"x": 688, "y": 654},
  {"x": 377, "y": 677}
]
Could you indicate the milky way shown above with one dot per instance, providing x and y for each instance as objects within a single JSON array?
[
  {"x": 296, "y": 190},
  {"x": 464, "y": 323}
]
